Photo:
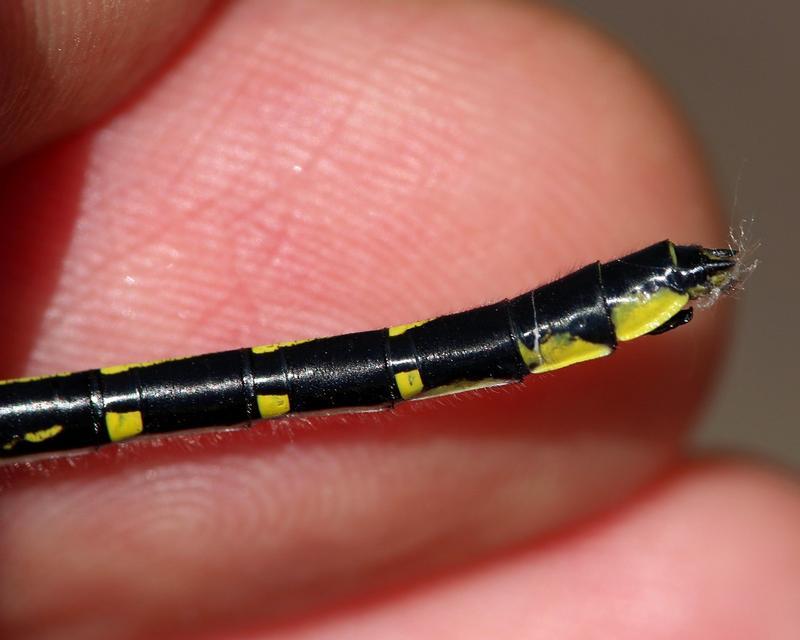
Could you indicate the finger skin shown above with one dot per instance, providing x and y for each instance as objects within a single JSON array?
[
  {"x": 66, "y": 62},
  {"x": 309, "y": 170},
  {"x": 709, "y": 553}
]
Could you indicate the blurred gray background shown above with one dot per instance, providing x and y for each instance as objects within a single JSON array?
[{"x": 735, "y": 69}]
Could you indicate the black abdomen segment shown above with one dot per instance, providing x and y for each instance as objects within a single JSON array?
[
  {"x": 574, "y": 319},
  {"x": 358, "y": 370}
]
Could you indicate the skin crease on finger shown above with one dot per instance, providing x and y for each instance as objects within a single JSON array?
[{"x": 308, "y": 169}]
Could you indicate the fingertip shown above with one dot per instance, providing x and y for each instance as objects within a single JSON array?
[{"x": 67, "y": 62}]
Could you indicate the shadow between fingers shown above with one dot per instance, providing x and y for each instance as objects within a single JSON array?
[{"x": 40, "y": 197}]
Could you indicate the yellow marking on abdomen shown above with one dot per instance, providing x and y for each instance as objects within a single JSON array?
[
  {"x": 272, "y": 406},
  {"x": 463, "y": 385},
  {"x": 269, "y": 348},
  {"x": 400, "y": 329},
  {"x": 673, "y": 254},
  {"x": 119, "y": 368},
  {"x": 35, "y": 436},
  {"x": 563, "y": 349},
  {"x": 36, "y": 378},
  {"x": 124, "y": 425},
  {"x": 43, "y": 434},
  {"x": 409, "y": 383},
  {"x": 529, "y": 356},
  {"x": 645, "y": 312}
]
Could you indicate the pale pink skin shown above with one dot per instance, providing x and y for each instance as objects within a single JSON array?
[{"x": 292, "y": 169}]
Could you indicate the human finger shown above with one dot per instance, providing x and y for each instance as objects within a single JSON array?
[
  {"x": 67, "y": 62},
  {"x": 710, "y": 552},
  {"x": 303, "y": 171}
]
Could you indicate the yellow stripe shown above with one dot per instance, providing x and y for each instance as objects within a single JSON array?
[
  {"x": 35, "y": 378},
  {"x": 409, "y": 383},
  {"x": 35, "y": 436},
  {"x": 529, "y": 356},
  {"x": 645, "y": 312},
  {"x": 462, "y": 385},
  {"x": 122, "y": 426},
  {"x": 272, "y": 406},
  {"x": 402, "y": 328},
  {"x": 44, "y": 434},
  {"x": 269, "y": 348},
  {"x": 119, "y": 368},
  {"x": 563, "y": 349},
  {"x": 673, "y": 255}
]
